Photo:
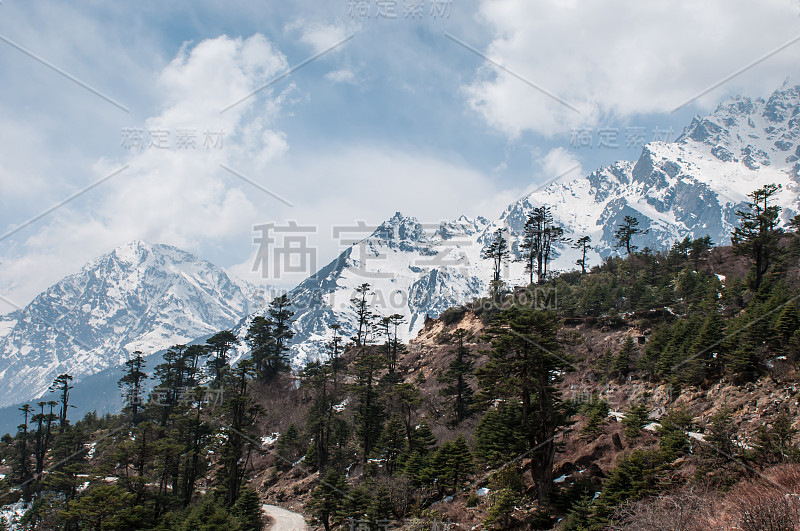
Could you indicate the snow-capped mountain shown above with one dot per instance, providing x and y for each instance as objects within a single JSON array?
[
  {"x": 138, "y": 297},
  {"x": 692, "y": 186},
  {"x": 413, "y": 270},
  {"x": 148, "y": 297}
]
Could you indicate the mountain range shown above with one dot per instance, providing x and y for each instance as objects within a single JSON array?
[
  {"x": 147, "y": 297},
  {"x": 140, "y": 296}
]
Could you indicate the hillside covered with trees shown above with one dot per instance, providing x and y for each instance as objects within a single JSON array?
[{"x": 657, "y": 390}]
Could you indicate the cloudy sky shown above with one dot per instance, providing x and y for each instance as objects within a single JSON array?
[{"x": 190, "y": 122}]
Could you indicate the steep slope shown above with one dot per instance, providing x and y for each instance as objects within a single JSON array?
[
  {"x": 690, "y": 187},
  {"x": 138, "y": 297}
]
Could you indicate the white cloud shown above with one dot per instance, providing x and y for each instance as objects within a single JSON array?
[
  {"x": 319, "y": 36},
  {"x": 371, "y": 184},
  {"x": 343, "y": 75},
  {"x": 624, "y": 57},
  {"x": 176, "y": 196},
  {"x": 184, "y": 197},
  {"x": 560, "y": 162}
]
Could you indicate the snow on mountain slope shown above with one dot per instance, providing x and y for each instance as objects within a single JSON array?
[
  {"x": 149, "y": 297},
  {"x": 692, "y": 186},
  {"x": 138, "y": 297},
  {"x": 412, "y": 270}
]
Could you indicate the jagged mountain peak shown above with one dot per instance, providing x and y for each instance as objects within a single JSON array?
[
  {"x": 783, "y": 104},
  {"x": 461, "y": 227},
  {"x": 690, "y": 187},
  {"x": 139, "y": 296},
  {"x": 399, "y": 228},
  {"x": 754, "y": 132},
  {"x": 137, "y": 252}
]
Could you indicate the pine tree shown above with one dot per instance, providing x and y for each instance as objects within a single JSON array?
[
  {"x": 280, "y": 320},
  {"x": 259, "y": 338},
  {"x": 525, "y": 363},
  {"x": 453, "y": 461},
  {"x": 676, "y": 351},
  {"x": 605, "y": 364},
  {"x": 197, "y": 436},
  {"x": 774, "y": 443},
  {"x": 640, "y": 474},
  {"x": 422, "y": 439},
  {"x": 720, "y": 450},
  {"x": 532, "y": 235},
  {"x": 405, "y": 399},
  {"x": 218, "y": 347},
  {"x": 674, "y": 433},
  {"x": 596, "y": 412},
  {"x": 394, "y": 347},
  {"x": 289, "y": 444},
  {"x": 191, "y": 362},
  {"x": 171, "y": 375},
  {"x": 579, "y": 517},
  {"x": 61, "y": 385},
  {"x": 105, "y": 507},
  {"x": 419, "y": 469},
  {"x": 363, "y": 313},
  {"x": 356, "y": 503},
  {"x": 23, "y": 464},
  {"x": 247, "y": 511},
  {"x": 624, "y": 359},
  {"x": 132, "y": 384},
  {"x": 369, "y": 412},
  {"x": 499, "y": 436},
  {"x": 380, "y": 510},
  {"x": 540, "y": 238},
  {"x": 392, "y": 444},
  {"x": 42, "y": 436},
  {"x": 636, "y": 418},
  {"x": 706, "y": 351},
  {"x": 758, "y": 233},
  {"x": 210, "y": 515},
  {"x": 334, "y": 349},
  {"x": 625, "y": 233},
  {"x": 457, "y": 375},
  {"x": 583, "y": 244},
  {"x": 788, "y": 322},
  {"x": 328, "y": 497},
  {"x": 69, "y": 460},
  {"x": 506, "y": 491},
  {"x": 320, "y": 420},
  {"x": 656, "y": 343},
  {"x": 497, "y": 251},
  {"x": 698, "y": 247},
  {"x": 241, "y": 414}
]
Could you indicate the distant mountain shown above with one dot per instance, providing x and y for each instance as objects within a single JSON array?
[
  {"x": 690, "y": 187},
  {"x": 148, "y": 297},
  {"x": 413, "y": 270},
  {"x": 140, "y": 296}
]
